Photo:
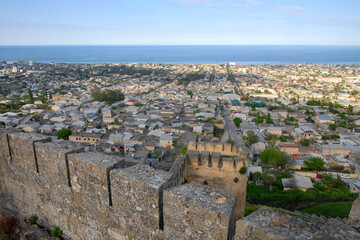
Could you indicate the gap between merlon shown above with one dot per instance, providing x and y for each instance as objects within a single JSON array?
[
  {"x": 8, "y": 144},
  {"x": 35, "y": 156},
  {"x": 109, "y": 180},
  {"x": 67, "y": 163}
]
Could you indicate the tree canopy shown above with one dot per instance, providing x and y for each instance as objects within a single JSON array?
[
  {"x": 315, "y": 163},
  {"x": 107, "y": 95},
  {"x": 44, "y": 96},
  {"x": 237, "y": 122},
  {"x": 30, "y": 96},
  {"x": 273, "y": 157},
  {"x": 251, "y": 137},
  {"x": 64, "y": 133}
]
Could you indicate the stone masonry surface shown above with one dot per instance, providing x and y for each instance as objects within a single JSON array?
[
  {"x": 268, "y": 224},
  {"x": 91, "y": 196}
]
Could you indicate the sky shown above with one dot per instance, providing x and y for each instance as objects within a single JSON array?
[{"x": 179, "y": 22}]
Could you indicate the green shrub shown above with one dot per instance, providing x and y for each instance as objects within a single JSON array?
[
  {"x": 184, "y": 150},
  {"x": 243, "y": 170},
  {"x": 315, "y": 163},
  {"x": 64, "y": 133},
  {"x": 56, "y": 232},
  {"x": 33, "y": 219},
  {"x": 305, "y": 142}
]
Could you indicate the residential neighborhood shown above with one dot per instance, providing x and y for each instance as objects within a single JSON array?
[{"x": 150, "y": 113}]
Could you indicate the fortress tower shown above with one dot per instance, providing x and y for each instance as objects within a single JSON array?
[{"x": 218, "y": 166}]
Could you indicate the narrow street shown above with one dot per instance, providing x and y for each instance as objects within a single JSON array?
[{"x": 230, "y": 130}]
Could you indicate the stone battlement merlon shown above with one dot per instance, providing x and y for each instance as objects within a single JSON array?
[{"x": 214, "y": 160}]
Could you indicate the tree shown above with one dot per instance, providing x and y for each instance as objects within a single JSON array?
[
  {"x": 273, "y": 157},
  {"x": 138, "y": 104},
  {"x": 334, "y": 136},
  {"x": 342, "y": 124},
  {"x": 30, "y": 96},
  {"x": 268, "y": 119},
  {"x": 43, "y": 95},
  {"x": 190, "y": 93},
  {"x": 237, "y": 122},
  {"x": 259, "y": 119},
  {"x": 305, "y": 142},
  {"x": 333, "y": 126},
  {"x": 252, "y": 137},
  {"x": 268, "y": 179},
  {"x": 14, "y": 102},
  {"x": 271, "y": 139},
  {"x": 50, "y": 96},
  {"x": 309, "y": 119},
  {"x": 315, "y": 163},
  {"x": 107, "y": 95},
  {"x": 64, "y": 133},
  {"x": 331, "y": 182},
  {"x": 307, "y": 112}
]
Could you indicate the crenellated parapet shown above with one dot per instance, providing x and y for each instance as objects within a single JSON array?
[
  {"x": 225, "y": 149},
  {"x": 91, "y": 195}
]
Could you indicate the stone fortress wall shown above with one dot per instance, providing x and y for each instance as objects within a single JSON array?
[{"x": 91, "y": 196}]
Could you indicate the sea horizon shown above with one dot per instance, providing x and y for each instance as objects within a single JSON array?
[{"x": 184, "y": 54}]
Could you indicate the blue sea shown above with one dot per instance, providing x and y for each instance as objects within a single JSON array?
[{"x": 240, "y": 54}]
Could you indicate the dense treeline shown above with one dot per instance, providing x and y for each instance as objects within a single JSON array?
[
  {"x": 191, "y": 77},
  {"x": 107, "y": 95}
]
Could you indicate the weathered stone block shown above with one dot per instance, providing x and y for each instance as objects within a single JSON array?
[
  {"x": 192, "y": 146},
  {"x": 89, "y": 176},
  {"x": 4, "y": 158},
  {"x": 239, "y": 163},
  {"x": 193, "y": 157},
  {"x": 354, "y": 216},
  {"x": 218, "y": 147},
  {"x": 204, "y": 158},
  {"x": 137, "y": 195},
  {"x": 227, "y": 150},
  {"x": 4, "y": 147},
  {"x": 215, "y": 159},
  {"x": 200, "y": 147},
  {"x": 209, "y": 146},
  {"x": 269, "y": 224},
  {"x": 23, "y": 155},
  {"x": 53, "y": 162},
  {"x": 192, "y": 211},
  {"x": 227, "y": 164}
]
